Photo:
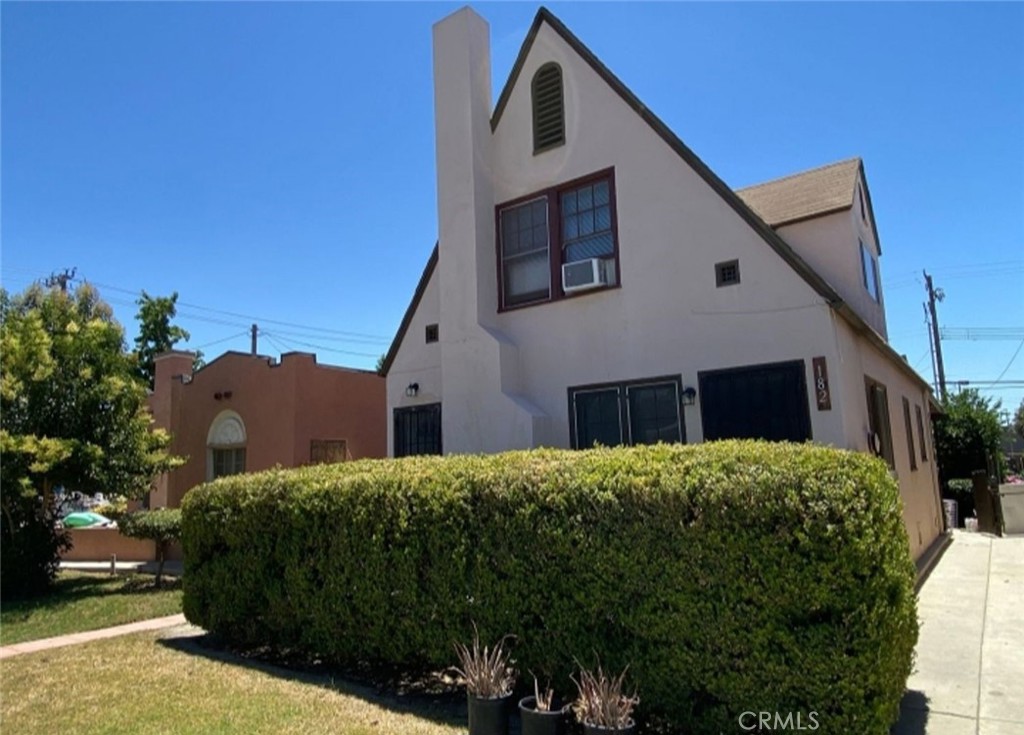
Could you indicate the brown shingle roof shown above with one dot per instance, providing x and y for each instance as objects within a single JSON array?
[{"x": 804, "y": 195}]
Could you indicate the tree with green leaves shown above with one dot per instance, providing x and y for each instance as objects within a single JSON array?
[
  {"x": 1018, "y": 420},
  {"x": 156, "y": 333},
  {"x": 967, "y": 435},
  {"x": 73, "y": 414},
  {"x": 162, "y": 526}
]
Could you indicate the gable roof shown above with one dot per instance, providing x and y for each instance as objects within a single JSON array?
[
  {"x": 414, "y": 304},
  {"x": 780, "y": 246},
  {"x": 808, "y": 194},
  {"x": 804, "y": 195}
]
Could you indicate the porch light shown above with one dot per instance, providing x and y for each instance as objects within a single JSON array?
[
  {"x": 412, "y": 390},
  {"x": 689, "y": 395}
]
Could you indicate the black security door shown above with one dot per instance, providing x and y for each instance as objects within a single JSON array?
[
  {"x": 756, "y": 402},
  {"x": 418, "y": 430}
]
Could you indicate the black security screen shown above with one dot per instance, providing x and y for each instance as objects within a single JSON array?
[{"x": 418, "y": 430}]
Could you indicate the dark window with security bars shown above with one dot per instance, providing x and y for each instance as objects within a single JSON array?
[
  {"x": 417, "y": 430},
  {"x": 548, "y": 108},
  {"x": 642, "y": 412},
  {"x": 327, "y": 451},
  {"x": 587, "y": 222}
]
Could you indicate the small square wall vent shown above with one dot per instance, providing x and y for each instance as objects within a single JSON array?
[{"x": 727, "y": 273}]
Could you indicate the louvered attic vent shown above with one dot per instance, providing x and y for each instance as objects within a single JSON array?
[{"x": 548, "y": 108}]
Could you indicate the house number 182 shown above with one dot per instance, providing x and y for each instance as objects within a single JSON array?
[{"x": 821, "y": 384}]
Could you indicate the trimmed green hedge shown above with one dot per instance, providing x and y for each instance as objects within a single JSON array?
[{"x": 731, "y": 576}]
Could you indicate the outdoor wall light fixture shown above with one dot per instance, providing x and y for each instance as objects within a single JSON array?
[
  {"x": 689, "y": 395},
  {"x": 412, "y": 390}
]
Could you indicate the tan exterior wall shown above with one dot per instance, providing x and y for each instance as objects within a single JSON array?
[
  {"x": 283, "y": 406},
  {"x": 919, "y": 488}
]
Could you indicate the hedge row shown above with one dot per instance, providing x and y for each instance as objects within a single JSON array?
[{"x": 732, "y": 577}]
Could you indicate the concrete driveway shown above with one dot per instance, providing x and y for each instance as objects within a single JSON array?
[{"x": 969, "y": 673}]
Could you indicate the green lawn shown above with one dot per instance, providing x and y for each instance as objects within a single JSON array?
[
  {"x": 81, "y": 601},
  {"x": 138, "y": 684}
]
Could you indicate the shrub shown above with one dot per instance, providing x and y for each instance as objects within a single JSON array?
[
  {"x": 30, "y": 541},
  {"x": 730, "y": 577},
  {"x": 162, "y": 526}
]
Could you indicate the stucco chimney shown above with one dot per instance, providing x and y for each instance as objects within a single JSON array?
[{"x": 465, "y": 200}]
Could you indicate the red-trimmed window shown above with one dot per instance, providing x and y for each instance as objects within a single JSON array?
[{"x": 541, "y": 232}]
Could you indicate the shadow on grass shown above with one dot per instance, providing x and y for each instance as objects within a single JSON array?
[
  {"x": 68, "y": 590},
  {"x": 913, "y": 715},
  {"x": 430, "y": 696}
]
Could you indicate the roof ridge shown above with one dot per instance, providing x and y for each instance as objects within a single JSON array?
[{"x": 834, "y": 164}]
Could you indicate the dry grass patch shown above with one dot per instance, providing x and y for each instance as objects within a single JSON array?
[{"x": 136, "y": 684}]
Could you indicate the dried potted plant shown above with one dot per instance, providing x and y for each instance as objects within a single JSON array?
[
  {"x": 601, "y": 705},
  {"x": 541, "y": 714},
  {"x": 489, "y": 678}
]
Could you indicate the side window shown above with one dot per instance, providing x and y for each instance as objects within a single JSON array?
[
  {"x": 327, "y": 451},
  {"x": 920, "y": 434},
  {"x": 880, "y": 430},
  {"x": 911, "y": 452},
  {"x": 869, "y": 271}
]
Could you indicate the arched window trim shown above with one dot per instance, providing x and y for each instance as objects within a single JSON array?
[
  {"x": 548, "y": 107},
  {"x": 219, "y": 440}
]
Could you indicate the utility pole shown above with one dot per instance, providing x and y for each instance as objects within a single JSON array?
[
  {"x": 933, "y": 296},
  {"x": 931, "y": 348},
  {"x": 255, "y": 331},
  {"x": 60, "y": 279}
]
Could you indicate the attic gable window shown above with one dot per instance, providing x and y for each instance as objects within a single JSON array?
[{"x": 548, "y": 108}]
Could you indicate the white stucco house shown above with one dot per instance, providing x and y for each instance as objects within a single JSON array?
[{"x": 595, "y": 281}]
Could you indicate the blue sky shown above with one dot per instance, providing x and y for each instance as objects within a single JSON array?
[{"x": 274, "y": 162}]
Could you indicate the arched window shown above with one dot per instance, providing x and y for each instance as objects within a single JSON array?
[
  {"x": 548, "y": 108},
  {"x": 225, "y": 446}
]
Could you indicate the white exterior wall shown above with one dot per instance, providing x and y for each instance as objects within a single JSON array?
[
  {"x": 668, "y": 317},
  {"x": 416, "y": 361},
  {"x": 830, "y": 245},
  {"x": 503, "y": 378}
]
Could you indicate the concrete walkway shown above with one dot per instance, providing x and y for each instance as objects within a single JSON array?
[
  {"x": 91, "y": 635},
  {"x": 969, "y": 672}
]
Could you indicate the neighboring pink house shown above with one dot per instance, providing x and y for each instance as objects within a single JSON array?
[{"x": 245, "y": 413}]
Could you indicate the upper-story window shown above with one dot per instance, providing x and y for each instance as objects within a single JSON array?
[
  {"x": 869, "y": 271},
  {"x": 863, "y": 207},
  {"x": 572, "y": 224},
  {"x": 548, "y": 108}
]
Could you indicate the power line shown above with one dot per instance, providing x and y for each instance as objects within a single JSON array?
[
  {"x": 983, "y": 333},
  {"x": 249, "y": 317},
  {"x": 1016, "y": 352},
  {"x": 318, "y": 347}
]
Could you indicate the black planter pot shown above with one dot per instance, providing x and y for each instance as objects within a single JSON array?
[
  {"x": 488, "y": 716},
  {"x": 595, "y": 730},
  {"x": 535, "y": 722}
]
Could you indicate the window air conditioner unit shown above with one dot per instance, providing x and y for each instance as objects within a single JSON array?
[{"x": 584, "y": 274}]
